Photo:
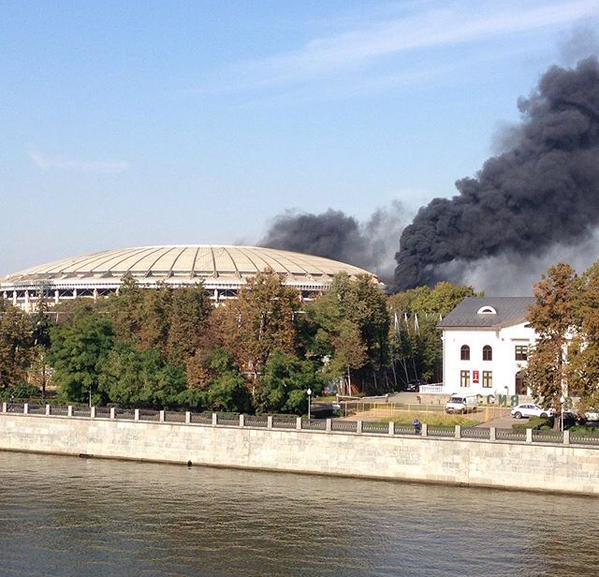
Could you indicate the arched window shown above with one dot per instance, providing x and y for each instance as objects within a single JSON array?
[
  {"x": 487, "y": 353},
  {"x": 487, "y": 310},
  {"x": 465, "y": 353}
]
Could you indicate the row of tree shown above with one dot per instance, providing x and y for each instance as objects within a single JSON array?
[{"x": 259, "y": 352}]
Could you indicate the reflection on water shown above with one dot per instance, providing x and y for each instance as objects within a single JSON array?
[{"x": 62, "y": 516}]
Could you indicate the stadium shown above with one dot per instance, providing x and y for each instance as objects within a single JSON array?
[{"x": 223, "y": 270}]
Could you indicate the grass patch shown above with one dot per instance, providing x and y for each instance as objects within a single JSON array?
[{"x": 435, "y": 420}]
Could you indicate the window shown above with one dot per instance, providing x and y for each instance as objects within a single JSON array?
[
  {"x": 464, "y": 378},
  {"x": 487, "y": 353},
  {"x": 521, "y": 352},
  {"x": 486, "y": 310},
  {"x": 487, "y": 379},
  {"x": 465, "y": 353}
]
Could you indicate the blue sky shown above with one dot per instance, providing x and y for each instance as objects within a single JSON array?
[{"x": 128, "y": 123}]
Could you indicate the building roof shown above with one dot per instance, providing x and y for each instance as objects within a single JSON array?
[
  {"x": 476, "y": 312},
  {"x": 184, "y": 264}
]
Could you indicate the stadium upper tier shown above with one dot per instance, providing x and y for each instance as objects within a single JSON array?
[{"x": 222, "y": 269}]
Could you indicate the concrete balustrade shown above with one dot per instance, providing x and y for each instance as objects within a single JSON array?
[
  {"x": 513, "y": 464},
  {"x": 528, "y": 436}
]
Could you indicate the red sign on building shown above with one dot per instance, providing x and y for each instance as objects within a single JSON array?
[{"x": 475, "y": 377}]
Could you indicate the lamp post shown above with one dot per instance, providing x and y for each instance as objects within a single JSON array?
[
  {"x": 562, "y": 401},
  {"x": 309, "y": 393}
]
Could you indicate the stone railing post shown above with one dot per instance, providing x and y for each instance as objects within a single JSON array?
[
  {"x": 458, "y": 432},
  {"x": 242, "y": 420},
  {"x": 136, "y": 415},
  {"x": 298, "y": 423},
  {"x": 269, "y": 422},
  {"x": 328, "y": 427},
  {"x": 161, "y": 416},
  {"x": 214, "y": 419},
  {"x": 566, "y": 437},
  {"x": 529, "y": 435},
  {"x": 4, "y": 407},
  {"x": 92, "y": 413},
  {"x": 359, "y": 427},
  {"x": 112, "y": 413},
  {"x": 392, "y": 427},
  {"x": 492, "y": 434},
  {"x": 48, "y": 410},
  {"x": 188, "y": 417},
  {"x": 70, "y": 411},
  {"x": 26, "y": 409},
  {"x": 424, "y": 430}
]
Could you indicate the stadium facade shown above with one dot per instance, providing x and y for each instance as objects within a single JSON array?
[{"x": 223, "y": 270}]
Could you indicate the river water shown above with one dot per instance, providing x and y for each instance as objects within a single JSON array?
[{"x": 63, "y": 516}]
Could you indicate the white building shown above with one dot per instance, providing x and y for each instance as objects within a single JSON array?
[
  {"x": 223, "y": 270},
  {"x": 485, "y": 346}
]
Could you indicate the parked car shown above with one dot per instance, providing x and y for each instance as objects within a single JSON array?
[
  {"x": 461, "y": 404},
  {"x": 414, "y": 386},
  {"x": 529, "y": 410},
  {"x": 592, "y": 416}
]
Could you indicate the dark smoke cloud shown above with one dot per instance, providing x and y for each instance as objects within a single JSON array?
[
  {"x": 333, "y": 234},
  {"x": 541, "y": 193}
]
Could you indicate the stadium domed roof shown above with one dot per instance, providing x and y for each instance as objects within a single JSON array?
[{"x": 216, "y": 266}]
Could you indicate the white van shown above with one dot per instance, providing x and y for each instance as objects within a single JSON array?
[{"x": 461, "y": 404}]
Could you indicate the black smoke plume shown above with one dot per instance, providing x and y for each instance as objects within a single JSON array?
[
  {"x": 540, "y": 193},
  {"x": 333, "y": 234}
]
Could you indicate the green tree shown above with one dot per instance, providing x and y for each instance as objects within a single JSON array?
[
  {"x": 78, "y": 349},
  {"x": 259, "y": 322},
  {"x": 553, "y": 316},
  {"x": 351, "y": 329},
  {"x": 416, "y": 344},
  {"x": 228, "y": 390},
  {"x": 284, "y": 385},
  {"x": 583, "y": 354},
  {"x": 135, "y": 378},
  {"x": 16, "y": 348},
  {"x": 41, "y": 326},
  {"x": 189, "y": 314}
]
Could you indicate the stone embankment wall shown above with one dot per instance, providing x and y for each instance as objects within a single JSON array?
[{"x": 498, "y": 464}]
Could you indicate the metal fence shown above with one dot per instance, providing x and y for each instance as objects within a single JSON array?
[{"x": 289, "y": 422}]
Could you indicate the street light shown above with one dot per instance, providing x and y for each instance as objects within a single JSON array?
[{"x": 309, "y": 393}]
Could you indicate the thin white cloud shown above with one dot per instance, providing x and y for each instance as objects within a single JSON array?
[
  {"x": 56, "y": 162},
  {"x": 437, "y": 26}
]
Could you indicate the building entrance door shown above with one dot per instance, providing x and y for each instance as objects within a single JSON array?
[{"x": 521, "y": 388}]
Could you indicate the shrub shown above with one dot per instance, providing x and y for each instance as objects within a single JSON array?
[{"x": 536, "y": 423}]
